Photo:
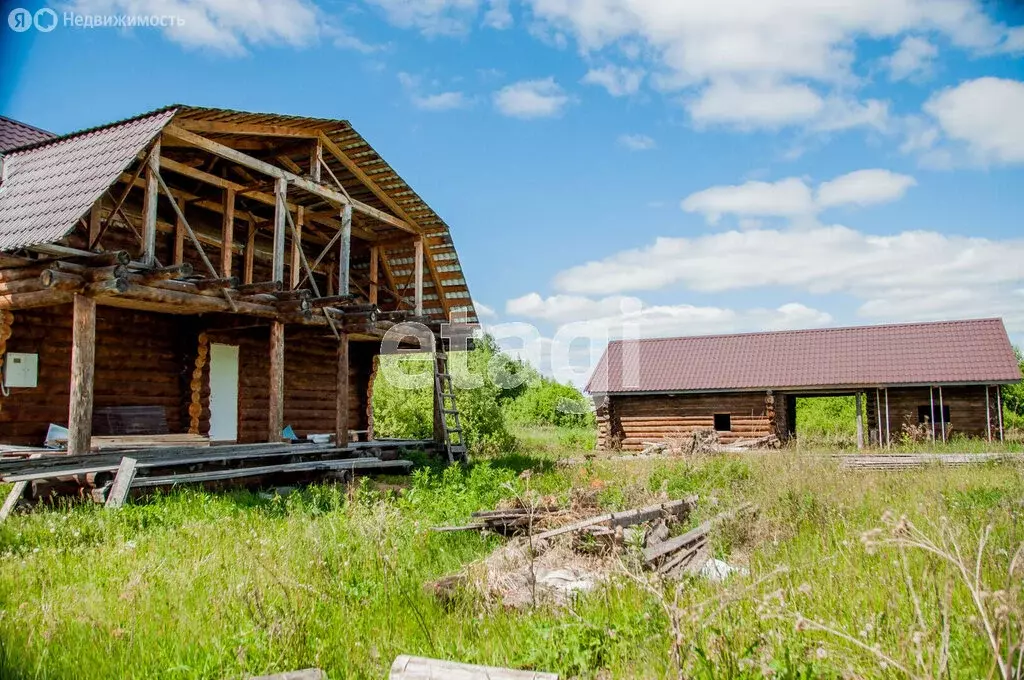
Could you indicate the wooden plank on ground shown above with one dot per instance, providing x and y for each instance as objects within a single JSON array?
[
  {"x": 122, "y": 483},
  {"x": 304, "y": 674},
  {"x": 16, "y": 494},
  {"x": 421, "y": 668},
  {"x": 237, "y": 473},
  {"x": 625, "y": 518}
]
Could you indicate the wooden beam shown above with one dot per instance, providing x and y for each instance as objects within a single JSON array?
[
  {"x": 149, "y": 207},
  {"x": 294, "y": 265},
  {"x": 179, "y": 236},
  {"x": 418, "y": 272},
  {"x": 390, "y": 277},
  {"x": 83, "y": 367},
  {"x": 374, "y": 273},
  {"x": 248, "y": 129},
  {"x": 345, "y": 251},
  {"x": 275, "y": 418},
  {"x": 316, "y": 159},
  {"x": 342, "y": 405},
  {"x": 391, "y": 203},
  {"x": 227, "y": 234},
  {"x": 250, "y": 253},
  {"x": 95, "y": 221},
  {"x": 122, "y": 483},
  {"x": 280, "y": 213},
  {"x": 253, "y": 163}
]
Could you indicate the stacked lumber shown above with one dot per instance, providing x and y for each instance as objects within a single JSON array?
[
  {"x": 422, "y": 668},
  {"x": 142, "y": 441},
  {"x": 906, "y": 461},
  {"x": 688, "y": 553}
]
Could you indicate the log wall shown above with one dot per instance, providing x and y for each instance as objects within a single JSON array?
[
  {"x": 148, "y": 359},
  {"x": 627, "y": 422},
  {"x": 966, "y": 409}
]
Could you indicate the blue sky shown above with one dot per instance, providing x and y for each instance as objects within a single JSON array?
[{"x": 632, "y": 167}]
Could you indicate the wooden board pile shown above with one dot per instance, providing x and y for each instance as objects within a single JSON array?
[
  {"x": 908, "y": 461},
  {"x": 705, "y": 441},
  {"x": 689, "y": 552},
  {"x": 97, "y": 473}
]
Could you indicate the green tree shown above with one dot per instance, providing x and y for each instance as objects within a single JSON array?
[{"x": 1013, "y": 397}]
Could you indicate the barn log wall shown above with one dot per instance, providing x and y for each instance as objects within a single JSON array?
[
  {"x": 627, "y": 422},
  {"x": 966, "y": 406}
]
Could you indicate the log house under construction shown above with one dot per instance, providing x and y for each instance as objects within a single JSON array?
[
  {"x": 944, "y": 377},
  {"x": 220, "y": 273}
]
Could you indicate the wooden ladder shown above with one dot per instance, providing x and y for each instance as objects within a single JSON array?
[{"x": 444, "y": 397}]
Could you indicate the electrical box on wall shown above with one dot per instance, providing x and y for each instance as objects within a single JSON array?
[{"x": 21, "y": 370}]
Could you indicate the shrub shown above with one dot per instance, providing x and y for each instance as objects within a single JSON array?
[{"x": 547, "y": 402}]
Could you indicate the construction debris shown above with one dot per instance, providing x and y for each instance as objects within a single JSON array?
[
  {"x": 553, "y": 565},
  {"x": 905, "y": 461},
  {"x": 706, "y": 441}
]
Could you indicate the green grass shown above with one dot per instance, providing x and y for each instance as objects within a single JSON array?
[{"x": 200, "y": 585}]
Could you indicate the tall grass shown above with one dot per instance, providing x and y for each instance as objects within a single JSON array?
[{"x": 201, "y": 585}]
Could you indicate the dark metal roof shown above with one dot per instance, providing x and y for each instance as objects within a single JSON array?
[
  {"x": 943, "y": 352},
  {"x": 14, "y": 134},
  {"x": 47, "y": 187}
]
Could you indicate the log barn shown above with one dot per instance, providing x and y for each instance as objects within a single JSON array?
[
  {"x": 942, "y": 378},
  {"x": 207, "y": 271}
]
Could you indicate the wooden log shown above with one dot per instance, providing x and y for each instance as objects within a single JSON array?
[
  {"x": 215, "y": 284},
  {"x": 60, "y": 280},
  {"x": 21, "y": 273},
  {"x": 149, "y": 206},
  {"x": 32, "y": 299},
  {"x": 331, "y": 301},
  {"x": 83, "y": 366},
  {"x": 421, "y": 668},
  {"x": 92, "y": 274},
  {"x": 342, "y": 393},
  {"x": 176, "y": 271},
  {"x": 260, "y": 287},
  {"x": 110, "y": 287},
  {"x": 275, "y": 419},
  {"x": 625, "y": 518},
  {"x": 30, "y": 285},
  {"x": 101, "y": 259},
  {"x": 122, "y": 483},
  {"x": 227, "y": 232}
]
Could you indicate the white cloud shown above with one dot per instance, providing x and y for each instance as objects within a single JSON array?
[
  {"x": 431, "y": 17},
  {"x": 484, "y": 311},
  {"x": 618, "y": 80},
  {"x": 442, "y": 101},
  {"x": 531, "y": 99},
  {"x": 986, "y": 116},
  {"x": 914, "y": 58},
  {"x": 230, "y": 26},
  {"x": 637, "y": 142},
  {"x": 498, "y": 16},
  {"x": 864, "y": 187},
  {"x": 786, "y": 198},
  {"x": 793, "y": 198},
  {"x": 842, "y": 113},
  {"x": 762, "y": 104}
]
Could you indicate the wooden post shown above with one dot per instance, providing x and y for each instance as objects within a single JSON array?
[
  {"x": 860, "y": 423},
  {"x": 342, "y": 399},
  {"x": 931, "y": 409},
  {"x": 988, "y": 414},
  {"x": 179, "y": 236},
  {"x": 942, "y": 416},
  {"x": 281, "y": 195},
  {"x": 83, "y": 367},
  {"x": 316, "y": 156},
  {"x": 227, "y": 232},
  {"x": 419, "y": 276},
  {"x": 878, "y": 415},
  {"x": 888, "y": 432},
  {"x": 439, "y": 423},
  {"x": 295, "y": 264},
  {"x": 374, "y": 273},
  {"x": 275, "y": 421},
  {"x": 345, "y": 250},
  {"x": 149, "y": 207},
  {"x": 999, "y": 409},
  {"x": 250, "y": 253}
]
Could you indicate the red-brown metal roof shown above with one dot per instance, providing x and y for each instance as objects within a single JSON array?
[
  {"x": 943, "y": 352},
  {"x": 14, "y": 133}
]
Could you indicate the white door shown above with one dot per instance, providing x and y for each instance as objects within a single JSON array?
[{"x": 223, "y": 392}]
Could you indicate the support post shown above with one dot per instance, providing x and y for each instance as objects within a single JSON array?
[
  {"x": 860, "y": 423},
  {"x": 83, "y": 369},
  {"x": 316, "y": 159},
  {"x": 888, "y": 432},
  {"x": 878, "y": 415},
  {"x": 942, "y": 416},
  {"x": 345, "y": 251},
  {"x": 342, "y": 401},
  {"x": 374, "y": 273},
  {"x": 988, "y": 414},
  {"x": 280, "y": 208},
  {"x": 999, "y": 409},
  {"x": 149, "y": 207},
  {"x": 276, "y": 416},
  {"x": 227, "y": 232},
  {"x": 931, "y": 410},
  {"x": 179, "y": 237},
  {"x": 295, "y": 265},
  {"x": 250, "y": 253},
  {"x": 419, "y": 276}
]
